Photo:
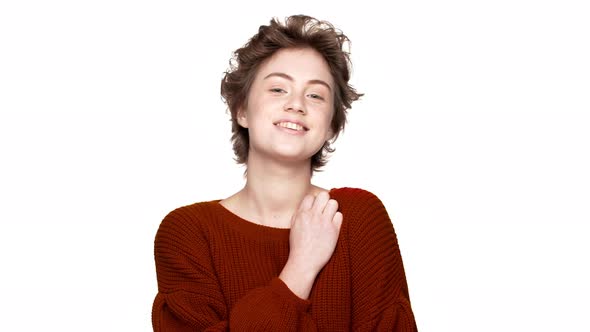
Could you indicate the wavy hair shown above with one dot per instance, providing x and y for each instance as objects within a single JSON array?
[{"x": 297, "y": 31}]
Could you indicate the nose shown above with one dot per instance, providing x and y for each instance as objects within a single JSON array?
[{"x": 294, "y": 104}]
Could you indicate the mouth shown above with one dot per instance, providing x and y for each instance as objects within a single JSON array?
[{"x": 291, "y": 125}]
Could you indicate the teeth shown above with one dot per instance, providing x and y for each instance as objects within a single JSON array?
[{"x": 290, "y": 125}]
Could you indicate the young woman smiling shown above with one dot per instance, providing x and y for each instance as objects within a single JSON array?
[{"x": 282, "y": 254}]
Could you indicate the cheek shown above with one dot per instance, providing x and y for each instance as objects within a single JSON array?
[
  {"x": 329, "y": 117},
  {"x": 326, "y": 124},
  {"x": 329, "y": 124}
]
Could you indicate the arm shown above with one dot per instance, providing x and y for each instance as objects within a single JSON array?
[
  {"x": 190, "y": 298},
  {"x": 379, "y": 288}
]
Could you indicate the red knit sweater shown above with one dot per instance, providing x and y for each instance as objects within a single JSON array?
[{"x": 219, "y": 272}]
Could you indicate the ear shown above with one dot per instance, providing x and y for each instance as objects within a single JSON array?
[{"x": 242, "y": 118}]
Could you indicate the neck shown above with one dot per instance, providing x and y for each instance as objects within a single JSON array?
[{"x": 274, "y": 191}]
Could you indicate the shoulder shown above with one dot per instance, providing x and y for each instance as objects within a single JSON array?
[
  {"x": 361, "y": 208},
  {"x": 357, "y": 197},
  {"x": 186, "y": 220},
  {"x": 182, "y": 235}
]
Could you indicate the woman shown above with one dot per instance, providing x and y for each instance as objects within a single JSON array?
[{"x": 282, "y": 254}]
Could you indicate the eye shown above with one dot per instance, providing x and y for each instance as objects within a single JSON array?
[
  {"x": 277, "y": 90},
  {"x": 314, "y": 96}
]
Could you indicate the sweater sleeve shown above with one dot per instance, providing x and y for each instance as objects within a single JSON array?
[
  {"x": 190, "y": 298},
  {"x": 379, "y": 288}
]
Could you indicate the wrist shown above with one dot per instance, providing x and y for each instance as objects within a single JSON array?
[{"x": 298, "y": 279}]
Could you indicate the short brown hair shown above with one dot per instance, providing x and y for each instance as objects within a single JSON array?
[{"x": 297, "y": 31}]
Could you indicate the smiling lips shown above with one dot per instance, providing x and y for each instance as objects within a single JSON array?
[{"x": 291, "y": 125}]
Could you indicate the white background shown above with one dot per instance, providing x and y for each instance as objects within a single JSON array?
[{"x": 474, "y": 132}]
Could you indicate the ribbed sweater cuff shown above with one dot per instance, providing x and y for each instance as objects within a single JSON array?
[{"x": 279, "y": 287}]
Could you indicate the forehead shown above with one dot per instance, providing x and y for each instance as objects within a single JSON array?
[{"x": 303, "y": 64}]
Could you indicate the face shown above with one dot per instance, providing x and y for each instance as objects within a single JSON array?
[{"x": 290, "y": 106}]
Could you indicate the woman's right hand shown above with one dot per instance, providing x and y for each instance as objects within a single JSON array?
[{"x": 314, "y": 232}]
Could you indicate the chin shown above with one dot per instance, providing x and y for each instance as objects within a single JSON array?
[
  {"x": 292, "y": 153},
  {"x": 292, "y": 156}
]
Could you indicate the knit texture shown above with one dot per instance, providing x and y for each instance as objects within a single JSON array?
[{"x": 219, "y": 272}]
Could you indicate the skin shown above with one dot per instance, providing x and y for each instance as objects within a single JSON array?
[{"x": 294, "y": 84}]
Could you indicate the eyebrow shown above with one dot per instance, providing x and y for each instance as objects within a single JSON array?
[{"x": 285, "y": 76}]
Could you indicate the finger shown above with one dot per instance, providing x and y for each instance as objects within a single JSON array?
[
  {"x": 306, "y": 203},
  {"x": 320, "y": 202},
  {"x": 337, "y": 220},
  {"x": 331, "y": 208}
]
